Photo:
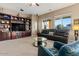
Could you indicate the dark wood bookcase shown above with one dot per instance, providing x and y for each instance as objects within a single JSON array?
[{"x": 12, "y": 27}]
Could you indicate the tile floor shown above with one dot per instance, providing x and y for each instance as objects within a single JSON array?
[{"x": 20, "y": 47}]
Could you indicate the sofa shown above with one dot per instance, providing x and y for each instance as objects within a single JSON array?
[
  {"x": 60, "y": 49},
  {"x": 57, "y": 35}
]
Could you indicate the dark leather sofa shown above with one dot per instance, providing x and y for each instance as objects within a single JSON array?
[
  {"x": 58, "y": 35},
  {"x": 60, "y": 49}
]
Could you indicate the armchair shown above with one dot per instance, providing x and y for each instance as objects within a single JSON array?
[
  {"x": 43, "y": 51},
  {"x": 60, "y": 49}
]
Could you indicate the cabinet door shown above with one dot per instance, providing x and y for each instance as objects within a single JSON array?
[
  {"x": 4, "y": 36},
  {"x": 1, "y": 37},
  {"x": 13, "y": 35}
]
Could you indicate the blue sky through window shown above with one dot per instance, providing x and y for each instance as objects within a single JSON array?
[
  {"x": 66, "y": 22},
  {"x": 58, "y": 21}
]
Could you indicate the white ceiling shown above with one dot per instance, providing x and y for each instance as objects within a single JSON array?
[{"x": 41, "y": 9}]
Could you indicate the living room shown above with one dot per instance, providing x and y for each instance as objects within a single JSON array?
[{"x": 32, "y": 29}]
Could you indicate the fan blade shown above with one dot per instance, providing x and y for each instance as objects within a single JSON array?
[
  {"x": 21, "y": 10},
  {"x": 37, "y": 4}
]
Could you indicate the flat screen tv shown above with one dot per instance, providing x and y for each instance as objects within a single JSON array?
[{"x": 18, "y": 27}]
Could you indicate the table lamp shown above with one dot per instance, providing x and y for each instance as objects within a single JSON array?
[{"x": 76, "y": 28}]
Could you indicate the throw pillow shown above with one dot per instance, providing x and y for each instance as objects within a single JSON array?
[{"x": 51, "y": 33}]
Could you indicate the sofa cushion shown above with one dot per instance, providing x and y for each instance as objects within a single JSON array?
[
  {"x": 43, "y": 51},
  {"x": 61, "y": 33},
  {"x": 59, "y": 38},
  {"x": 53, "y": 51},
  {"x": 45, "y": 31},
  {"x": 51, "y": 33},
  {"x": 58, "y": 45}
]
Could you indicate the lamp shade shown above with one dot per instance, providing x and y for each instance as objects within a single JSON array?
[{"x": 75, "y": 27}]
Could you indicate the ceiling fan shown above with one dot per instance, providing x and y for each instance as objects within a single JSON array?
[
  {"x": 32, "y": 4},
  {"x": 37, "y": 4}
]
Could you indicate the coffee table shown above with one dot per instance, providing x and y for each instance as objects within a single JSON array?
[{"x": 39, "y": 41}]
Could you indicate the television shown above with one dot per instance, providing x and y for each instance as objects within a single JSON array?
[{"x": 18, "y": 27}]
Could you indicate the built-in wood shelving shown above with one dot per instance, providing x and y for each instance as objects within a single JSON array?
[{"x": 6, "y": 21}]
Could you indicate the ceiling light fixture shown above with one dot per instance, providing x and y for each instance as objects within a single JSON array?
[
  {"x": 21, "y": 10},
  {"x": 19, "y": 13},
  {"x": 32, "y": 4}
]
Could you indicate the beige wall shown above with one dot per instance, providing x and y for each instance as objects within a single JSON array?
[
  {"x": 72, "y": 11},
  {"x": 34, "y": 25}
]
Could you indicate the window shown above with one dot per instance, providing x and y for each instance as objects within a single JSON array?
[
  {"x": 58, "y": 23},
  {"x": 46, "y": 24},
  {"x": 63, "y": 23},
  {"x": 67, "y": 23}
]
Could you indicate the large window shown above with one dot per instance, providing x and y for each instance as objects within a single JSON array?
[
  {"x": 63, "y": 23},
  {"x": 46, "y": 24}
]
